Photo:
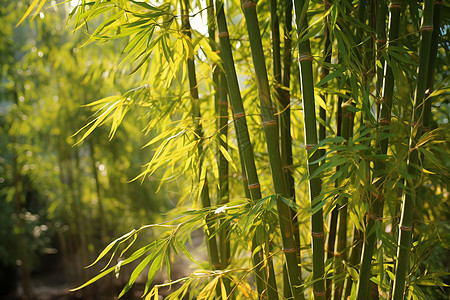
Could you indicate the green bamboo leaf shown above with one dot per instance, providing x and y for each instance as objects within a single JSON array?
[
  {"x": 112, "y": 244},
  {"x": 30, "y": 9},
  {"x": 331, "y": 76},
  {"x": 136, "y": 272}
]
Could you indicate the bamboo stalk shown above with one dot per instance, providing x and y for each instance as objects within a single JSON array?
[
  {"x": 353, "y": 259},
  {"x": 270, "y": 129},
  {"x": 221, "y": 104},
  {"x": 409, "y": 197},
  {"x": 285, "y": 136},
  {"x": 309, "y": 116},
  {"x": 324, "y": 71},
  {"x": 244, "y": 145},
  {"x": 335, "y": 212},
  {"x": 213, "y": 252},
  {"x": 341, "y": 245},
  {"x": 380, "y": 42},
  {"x": 375, "y": 213},
  {"x": 437, "y": 16}
]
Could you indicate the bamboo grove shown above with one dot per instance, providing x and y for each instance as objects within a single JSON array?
[{"x": 310, "y": 137}]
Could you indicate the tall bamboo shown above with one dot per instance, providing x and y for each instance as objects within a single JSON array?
[
  {"x": 244, "y": 145},
  {"x": 309, "y": 116},
  {"x": 375, "y": 213},
  {"x": 380, "y": 42},
  {"x": 285, "y": 134},
  {"x": 270, "y": 129},
  {"x": 437, "y": 16},
  {"x": 221, "y": 104},
  {"x": 196, "y": 115},
  {"x": 409, "y": 196},
  {"x": 341, "y": 245},
  {"x": 324, "y": 71}
]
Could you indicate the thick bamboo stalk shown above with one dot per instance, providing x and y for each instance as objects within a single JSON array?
[
  {"x": 309, "y": 116},
  {"x": 213, "y": 252},
  {"x": 375, "y": 213},
  {"x": 437, "y": 16},
  {"x": 409, "y": 196},
  {"x": 270, "y": 129},
  {"x": 380, "y": 42},
  {"x": 244, "y": 144}
]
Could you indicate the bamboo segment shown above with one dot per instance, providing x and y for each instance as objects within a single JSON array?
[
  {"x": 204, "y": 195},
  {"x": 309, "y": 115},
  {"x": 270, "y": 130},
  {"x": 380, "y": 42},
  {"x": 375, "y": 213},
  {"x": 244, "y": 145},
  {"x": 409, "y": 196},
  {"x": 437, "y": 16}
]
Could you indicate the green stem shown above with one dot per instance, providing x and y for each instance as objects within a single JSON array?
[
  {"x": 309, "y": 116},
  {"x": 409, "y": 196},
  {"x": 375, "y": 213},
  {"x": 196, "y": 115}
]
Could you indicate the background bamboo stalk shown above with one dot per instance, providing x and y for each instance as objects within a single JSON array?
[
  {"x": 221, "y": 105},
  {"x": 285, "y": 136},
  {"x": 211, "y": 242},
  {"x": 375, "y": 213},
  {"x": 341, "y": 245},
  {"x": 409, "y": 196},
  {"x": 309, "y": 117}
]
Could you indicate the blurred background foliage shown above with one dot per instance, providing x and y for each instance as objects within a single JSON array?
[{"x": 61, "y": 203}]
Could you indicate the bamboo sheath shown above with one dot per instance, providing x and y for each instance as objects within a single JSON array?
[
  {"x": 271, "y": 133},
  {"x": 309, "y": 116},
  {"x": 375, "y": 213},
  {"x": 204, "y": 195},
  {"x": 245, "y": 148},
  {"x": 409, "y": 196}
]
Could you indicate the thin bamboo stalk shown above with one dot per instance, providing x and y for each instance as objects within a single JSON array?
[
  {"x": 309, "y": 117},
  {"x": 324, "y": 71},
  {"x": 221, "y": 104},
  {"x": 335, "y": 212},
  {"x": 244, "y": 145},
  {"x": 380, "y": 42},
  {"x": 353, "y": 259},
  {"x": 285, "y": 136},
  {"x": 213, "y": 252},
  {"x": 375, "y": 213},
  {"x": 270, "y": 129},
  {"x": 341, "y": 245},
  {"x": 409, "y": 196}
]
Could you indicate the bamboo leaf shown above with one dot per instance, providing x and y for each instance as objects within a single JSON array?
[{"x": 30, "y": 9}]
